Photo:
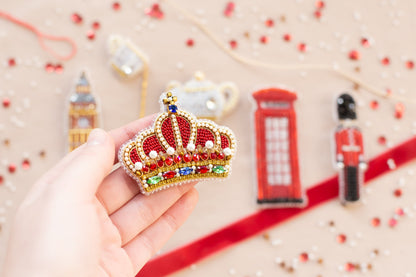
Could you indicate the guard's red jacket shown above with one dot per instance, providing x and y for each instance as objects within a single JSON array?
[{"x": 349, "y": 146}]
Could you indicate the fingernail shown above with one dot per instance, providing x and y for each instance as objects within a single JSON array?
[{"x": 96, "y": 137}]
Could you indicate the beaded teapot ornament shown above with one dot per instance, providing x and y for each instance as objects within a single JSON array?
[
  {"x": 204, "y": 98},
  {"x": 126, "y": 58},
  {"x": 178, "y": 148}
]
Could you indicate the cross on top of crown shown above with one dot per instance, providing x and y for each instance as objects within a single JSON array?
[{"x": 170, "y": 101}]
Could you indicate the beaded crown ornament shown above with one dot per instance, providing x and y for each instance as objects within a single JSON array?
[{"x": 178, "y": 148}]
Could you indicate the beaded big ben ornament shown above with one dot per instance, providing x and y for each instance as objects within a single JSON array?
[
  {"x": 178, "y": 148},
  {"x": 83, "y": 115}
]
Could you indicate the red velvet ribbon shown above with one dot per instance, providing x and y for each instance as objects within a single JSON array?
[{"x": 256, "y": 223}]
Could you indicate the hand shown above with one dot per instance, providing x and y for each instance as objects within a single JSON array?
[{"x": 79, "y": 220}]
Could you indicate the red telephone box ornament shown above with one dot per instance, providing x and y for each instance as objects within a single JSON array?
[{"x": 278, "y": 179}]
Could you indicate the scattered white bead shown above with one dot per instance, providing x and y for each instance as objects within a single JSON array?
[
  {"x": 391, "y": 164},
  {"x": 259, "y": 273},
  {"x": 278, "y": 260},
  {"x": 277, "y": 242}
]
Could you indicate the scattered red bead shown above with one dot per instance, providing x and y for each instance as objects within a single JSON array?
[
  {"x": 264, "y": 39},
  {"x": 49, "y": 68},
  {"x": 392, "y": 222},
  {"x": 374, "y": 104},
  {"x": 320, "y": 4},
  {"x": 397, "y": 192},
  {"x": 233, "y": 44},
  {"x": 269, "y": 23},
  {"x": 349, "y": 267},
  {"x": 190, "y": 42},
  {"x": 116, "y": 6},
  {"x": 385, "y": 61},
  {"x": 375, "y": 222},
  {"x": 302, "y": 47},
  {"x": 96, "y": 25},
  {"x": 399, "y": 110},
  {"x": 11, "y": 62},
  {"x": 76, "y": 18},
  {"x": 155, "y": 12},
  {"x": 26, "y": 164},
  {"x": 303, "y": 257},
  {"x": 399, "y": 212},
  {"x": 287, "y": 37},
  {"x": 6, "y": 102},
  {"x": 382, "y": 140},
  {"x": 365, "y": 42},
  {"x": 91, "y": 35},
  {"x": 229, "y": 9},
  {"x": 354, "y": 55},
  {"x": 1, "y": 180},
  {"x": 317, "y": 14},
  {"x": 341, "y": 238},
  {"x": 410, "y": 64},
  {"x": 12, "y": 168},
  {"x": 59, "y": 68},
  {"x": 389, "y": 92}
]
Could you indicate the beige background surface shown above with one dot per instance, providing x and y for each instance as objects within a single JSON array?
[{"x": 38, "y": 102}]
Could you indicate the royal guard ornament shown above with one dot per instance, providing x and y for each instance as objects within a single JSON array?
[
  {"x": 83, "y": 113},
  {"x": 349, "y": 149},
  {"x": 277, "y": 177},
  {"x": 205, "y": 99},
  {"x": 178, "y": 148}
]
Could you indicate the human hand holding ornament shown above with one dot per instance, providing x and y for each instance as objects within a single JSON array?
[{"x": 81, "y": 220}]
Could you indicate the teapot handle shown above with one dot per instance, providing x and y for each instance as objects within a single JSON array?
[{"x": 231, "y": 95}]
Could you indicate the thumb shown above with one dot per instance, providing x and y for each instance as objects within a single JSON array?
[{"x": 83, "y": 175}]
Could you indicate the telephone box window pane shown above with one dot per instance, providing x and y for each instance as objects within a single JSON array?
[
  {"x": 277, "y": 147},
  {"x": 274, "y": 105}
]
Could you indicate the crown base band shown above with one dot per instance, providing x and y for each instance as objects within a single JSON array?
[{"x": 167, "y": 183}]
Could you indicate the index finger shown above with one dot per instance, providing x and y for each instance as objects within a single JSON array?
[{"x": 129, "y": 131}]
